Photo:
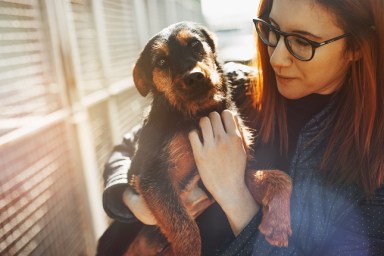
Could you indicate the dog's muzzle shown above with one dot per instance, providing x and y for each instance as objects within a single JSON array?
[{"x": 194, "y": 79}]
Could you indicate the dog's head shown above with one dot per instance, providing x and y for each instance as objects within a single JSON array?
[{"x": 180, "y": 64}]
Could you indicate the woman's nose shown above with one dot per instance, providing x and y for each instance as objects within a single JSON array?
[{"x": 279, "y": 55}]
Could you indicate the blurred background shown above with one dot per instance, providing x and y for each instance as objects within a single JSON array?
[{"x": 67, "y": 97}]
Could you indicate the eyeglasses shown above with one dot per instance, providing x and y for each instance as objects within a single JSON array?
[{"x": 299, "y": 46}]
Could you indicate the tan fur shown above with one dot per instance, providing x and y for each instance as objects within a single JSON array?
[
  {"x": 161, "y": 48},
  {"x": 183, "y": 36},
  {"x": 181, "y": 158}
]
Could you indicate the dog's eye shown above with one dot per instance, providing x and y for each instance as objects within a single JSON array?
[
  {"x": 161, "y": 62},
  {"x": 195, "y": 43}
]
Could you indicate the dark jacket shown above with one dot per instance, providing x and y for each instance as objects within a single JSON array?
[{"x": 327, "y": 219}]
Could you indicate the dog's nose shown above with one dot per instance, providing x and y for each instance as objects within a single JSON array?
[{"x": 194, "y": 78}]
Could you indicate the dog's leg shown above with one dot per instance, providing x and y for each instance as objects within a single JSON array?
[
  {"x": 272, "y": 190},
  {"x": 148, "y": 242},
  {"x": 173, "y": 219},
  {"x": 164, "y": 198},
  {"x": 161, "y": 190}
]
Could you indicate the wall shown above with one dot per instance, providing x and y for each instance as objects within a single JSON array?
[{"x": 66, "y": 97}]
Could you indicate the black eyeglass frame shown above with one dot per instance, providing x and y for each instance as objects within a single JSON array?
[{"x": 279, "y": 33}]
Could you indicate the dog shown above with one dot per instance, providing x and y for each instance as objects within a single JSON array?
[{"x": 180, "y": 69}]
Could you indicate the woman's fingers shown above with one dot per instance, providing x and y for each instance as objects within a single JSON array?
[
  {"x": 226, "y": 122},
  {"x": 213, "y": 127},
  {"x": 195, "y": 141},
  {"x": 206, "y": 130},
  {"x": 229, "y": 121},
  {"x": 217, "y": 124}
]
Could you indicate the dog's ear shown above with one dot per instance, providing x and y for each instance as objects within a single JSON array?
[
  {"x": 141, "y": 82},
  {"x": 142, "y": 70}
]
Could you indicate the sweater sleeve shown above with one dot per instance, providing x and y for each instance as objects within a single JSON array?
[
  {"x": 115, "y": 178},
  {"x": 360, "y": 232},
  {"x": 243, "y": 243}
]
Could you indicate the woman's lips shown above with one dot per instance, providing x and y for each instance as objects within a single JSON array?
[{"x": 284, "y": 79}]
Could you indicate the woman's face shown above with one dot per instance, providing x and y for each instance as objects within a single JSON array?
[{"x": 323, "y": 74}]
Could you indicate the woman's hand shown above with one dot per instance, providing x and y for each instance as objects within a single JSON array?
[
  {"x": 193, "y": 197},
  {"x": 221, "y": 160}
]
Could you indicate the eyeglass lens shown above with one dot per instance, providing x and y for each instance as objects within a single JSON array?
[{"x": 297, "y": 46}]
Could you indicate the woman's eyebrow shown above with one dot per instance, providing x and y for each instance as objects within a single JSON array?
[
  {"x": 297, "y": 31},
  {"x": 274, "y": 23}
]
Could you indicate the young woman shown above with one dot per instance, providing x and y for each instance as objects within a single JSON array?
[{"x": 317, "y": 107}]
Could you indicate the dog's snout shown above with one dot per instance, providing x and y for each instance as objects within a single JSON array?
[{"x": 194, "y": 78}]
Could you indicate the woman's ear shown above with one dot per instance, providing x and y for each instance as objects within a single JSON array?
[{"x": 354, "y": 55}]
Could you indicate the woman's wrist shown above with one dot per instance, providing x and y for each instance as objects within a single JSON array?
[{"x": 239, "y": 207}]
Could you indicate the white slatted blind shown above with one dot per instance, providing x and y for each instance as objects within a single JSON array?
[
  {"x": 41, "y": 208},
  {"x": 66, "y": 97},
  {"x": 101, "y": 132},
  {"x": 189, "y": 10},
  {"x": 27, "y": 88},
  {"x": 88, "y": 48},
  {"x": 162, "y": 14},
  {"x": 130, "y": 107},
  {"x": 123, "y": 45}
]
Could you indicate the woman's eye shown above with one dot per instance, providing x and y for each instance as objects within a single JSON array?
[{"x": 301, "y": 42}]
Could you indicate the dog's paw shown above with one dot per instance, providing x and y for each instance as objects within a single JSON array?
[{"x": 276, "y": 229}]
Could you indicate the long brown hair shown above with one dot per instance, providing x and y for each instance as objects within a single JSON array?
[{"x": 355, "y": 151}]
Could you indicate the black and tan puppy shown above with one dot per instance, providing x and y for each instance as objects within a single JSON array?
[{"x": 179, "y": 68}]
